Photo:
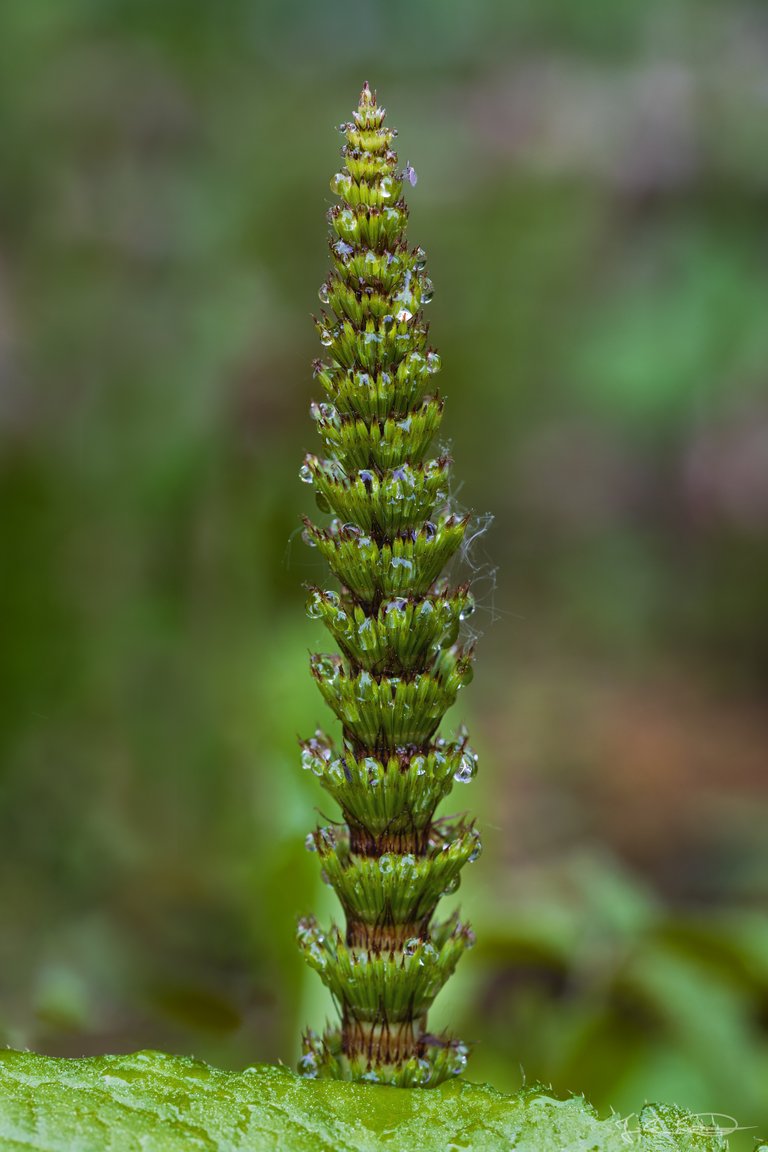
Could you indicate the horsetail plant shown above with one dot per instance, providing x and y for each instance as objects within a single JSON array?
[{"x": 397, "y": 624}]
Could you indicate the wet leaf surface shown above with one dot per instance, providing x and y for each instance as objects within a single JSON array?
[{"x": 162, "y": 1103}]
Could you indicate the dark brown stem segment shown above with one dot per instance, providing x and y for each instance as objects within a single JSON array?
[{"x": 382, "y": 1043}]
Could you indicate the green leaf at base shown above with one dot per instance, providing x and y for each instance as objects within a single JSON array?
[{"x": 158, "y": 1103}]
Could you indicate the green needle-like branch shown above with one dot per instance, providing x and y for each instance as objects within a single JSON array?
[{"x": 397, "y": 624}]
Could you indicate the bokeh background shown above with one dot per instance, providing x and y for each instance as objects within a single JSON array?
[{"x": 593, "y": 196}]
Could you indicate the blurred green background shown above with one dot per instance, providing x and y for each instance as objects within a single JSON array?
[{"x": 593, "y": 197}]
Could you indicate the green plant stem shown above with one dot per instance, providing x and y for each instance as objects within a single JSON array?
[{"x": 397, "y": 623}]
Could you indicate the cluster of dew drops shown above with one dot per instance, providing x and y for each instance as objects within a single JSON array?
[{"x": 322, "y": 761}]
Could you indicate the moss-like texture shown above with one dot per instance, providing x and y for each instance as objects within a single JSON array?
[
  {"x": 397, "y": 622},
  {"x": 150, "y": 1102}
]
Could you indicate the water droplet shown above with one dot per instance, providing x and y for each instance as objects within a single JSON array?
[
  {"x": 315, "y": 605},
  {"x": 411, "y": 945},
  {"x": 433, "y": 362},
  {"x": 404, "y": 315},
  {"x": 343, "y": 622},
  {"x": 308, "y": 1066},
  {"x": 318, "y": 955},
  {"x": 419, "y": 259},
  {"x": 467, "y": 768},
  {"x": 385, "y": 187},
  {"x": 308, "y": 538},
  {"x": 328, "y": 668},
  {"x": 344, "y": 127},
  {"x": 324, "y": 292},
  {"x": 326, "y": 337},
  {"x": 427, "y": 291},
  {"x": 309, "y": 843},
  {"x": 419, "y": 765},
  {"x": 451, "y": 886},
  {"x": 425, "y": 1070},
  {"x": 467, "y": 608},
  {"x": 430, "y": 531},
  {"x": 408, "y": 861},
  {"x": 386, "y": 864},
  {"x": 305, "y": 474},
  {"x": 339, "y": 183},
  {"x": 306, "y": 759},
  {"x": 371, "y": 1077},
  {"x": 334, "y": 771},
  {"x": 475, "y": 851},
  {"x": 365, "y": 633}
]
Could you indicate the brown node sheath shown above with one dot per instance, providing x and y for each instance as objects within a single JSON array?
[
  {"x": 382, "y": 1042},
  {"x": 384, "y": 937},
  {"x": 408, "y": 840}
]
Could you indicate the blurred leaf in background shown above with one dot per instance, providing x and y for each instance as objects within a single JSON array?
[{"x": 592, "y": 186}]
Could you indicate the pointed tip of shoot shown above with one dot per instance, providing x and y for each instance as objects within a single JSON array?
[{"x": 367, "y": 97}]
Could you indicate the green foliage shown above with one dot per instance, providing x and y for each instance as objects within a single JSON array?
[
  {"x": 398, "y": 626},
  {"x": 150, "y": 267},
  {"x": 605, "y": 989},
  {"x": 175, "y": 1104}
]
